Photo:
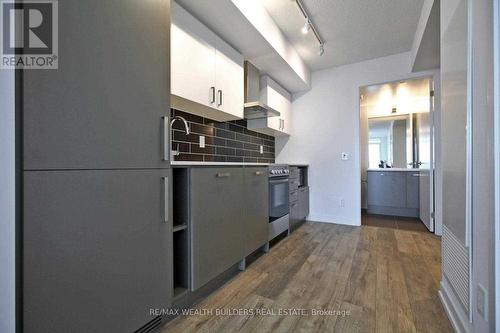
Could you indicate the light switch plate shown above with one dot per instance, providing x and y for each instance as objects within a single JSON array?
[
  {"x": 262, "y": 149},
  {"x": 202, "y": 141},
  {"x": 344, "y": 156}
]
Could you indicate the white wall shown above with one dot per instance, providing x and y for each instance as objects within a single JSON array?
[
  {"x": 7, "y": 202},
  {"x": 326, "y": 122}
]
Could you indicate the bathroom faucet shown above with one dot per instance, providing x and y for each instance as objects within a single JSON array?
[{"x": 186, "y": 128}]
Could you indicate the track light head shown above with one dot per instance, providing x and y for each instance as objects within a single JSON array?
[
  {"x": 307, "y": 26},
  {"x": 321, "y": 49}
]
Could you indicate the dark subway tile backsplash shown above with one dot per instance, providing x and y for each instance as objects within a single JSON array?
[{"x": 225, "y": 141}]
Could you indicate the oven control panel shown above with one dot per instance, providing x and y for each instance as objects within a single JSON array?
[{"x": 278, "y": 170}]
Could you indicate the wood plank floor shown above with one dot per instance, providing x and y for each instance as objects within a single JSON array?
[
  {"x": 377, "y": 279},
  {"x": 395, "y": 222}
]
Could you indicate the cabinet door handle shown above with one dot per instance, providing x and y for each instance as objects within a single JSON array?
[
  {"x": 212, "y": 93},
  {"x": 223, "y": 175},
  {"x": 259, "y": 173},
  {"x": 294, "y": 205},
  {"x": 166, "y": 139},
  {"x": 165, "y": 199},
  {"x": 220, "y": 97},
  {"x": 283, "y": 127}
]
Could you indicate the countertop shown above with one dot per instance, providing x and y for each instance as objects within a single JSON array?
[
  {"x": 188, "y": 164},
  {"x": 200, "y": 164},
  {"x": 396, "y": 169}
]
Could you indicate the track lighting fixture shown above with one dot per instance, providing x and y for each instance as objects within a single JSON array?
[{"x": 310, "y": 26}]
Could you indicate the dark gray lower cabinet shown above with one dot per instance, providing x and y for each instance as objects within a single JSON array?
[
  {"x": 216, "y": 234},
  {"x": 412, "y": 190},
  {"x": 255, "y": 224},
  {"x": 299, "y": 206},
  {"x": 387, "y": 189},
  {"x": 229, "y": 218},
  {"x": 304, "y": 202},
  {"x": 295, "y": 215},
  {"x": 393, "y": 193},
  {"x": 96, "y": 250}
]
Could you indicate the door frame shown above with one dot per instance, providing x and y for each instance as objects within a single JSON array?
[
  {"x": 496, "y": 62},
  {"x": 434, "y": 79}
]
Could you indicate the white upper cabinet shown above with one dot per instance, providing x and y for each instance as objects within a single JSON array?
[
  {"x": 276, "y": 97},
  {"x": 192, "y": 64},
  {"x": 229, "y": 80},
  {"x": 206, "y": 73}
]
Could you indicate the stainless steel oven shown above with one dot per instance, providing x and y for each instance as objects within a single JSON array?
[
  {"x": 278, "y": 197},
  {"x": 279, "y": 207}
]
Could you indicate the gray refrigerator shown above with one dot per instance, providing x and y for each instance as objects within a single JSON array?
[{"x": 96, "y": 225}]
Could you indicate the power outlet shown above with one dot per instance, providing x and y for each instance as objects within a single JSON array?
[
  {"x": 342, "y": 203},
  {"x": 482, "y": 301},
  {"x": 202, "y": 141},
  {"x": 261, "y": 150}
]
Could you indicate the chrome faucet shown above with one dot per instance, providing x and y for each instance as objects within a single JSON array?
[{"x": 186, "y": 127}]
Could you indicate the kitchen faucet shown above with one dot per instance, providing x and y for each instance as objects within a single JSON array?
[{"x": 186, "y": 127}]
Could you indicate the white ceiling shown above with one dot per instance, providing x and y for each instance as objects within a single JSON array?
[{"x": 354, "y": 30}]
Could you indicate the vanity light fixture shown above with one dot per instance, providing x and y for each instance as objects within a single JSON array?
[{"x": 310, "y": 26}]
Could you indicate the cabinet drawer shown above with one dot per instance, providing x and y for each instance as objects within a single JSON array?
[
  {"x": 295, "y": 217},
  {"x": 304, "y": 202},
  {"x": 294, "y": 173},
  {"x": 294, "y": 196},
  {"x": 294, "y": 184}
]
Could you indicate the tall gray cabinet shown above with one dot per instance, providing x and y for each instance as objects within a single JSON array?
[{"x": 97, "y": 234}]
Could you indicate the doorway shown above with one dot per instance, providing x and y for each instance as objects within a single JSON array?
[{"x": 397, "y": 150}]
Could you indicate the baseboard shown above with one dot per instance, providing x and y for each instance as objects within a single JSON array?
[
  {"x": 335, "y": 220},
  {"x": 452, "y": 307}
]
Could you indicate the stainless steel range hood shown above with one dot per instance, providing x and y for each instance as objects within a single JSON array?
[{"x": 254, "y": 107}]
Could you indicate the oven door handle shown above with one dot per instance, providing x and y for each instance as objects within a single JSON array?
[{"x": 278, "y": 181}]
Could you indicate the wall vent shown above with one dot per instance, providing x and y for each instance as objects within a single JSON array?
[{"x": 456, "y": 266}]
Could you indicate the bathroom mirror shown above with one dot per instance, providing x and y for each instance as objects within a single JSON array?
[{"x": 390, "y": 141}]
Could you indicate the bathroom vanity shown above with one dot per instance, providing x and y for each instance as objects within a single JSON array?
[{"x": 394, "y": 191}]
